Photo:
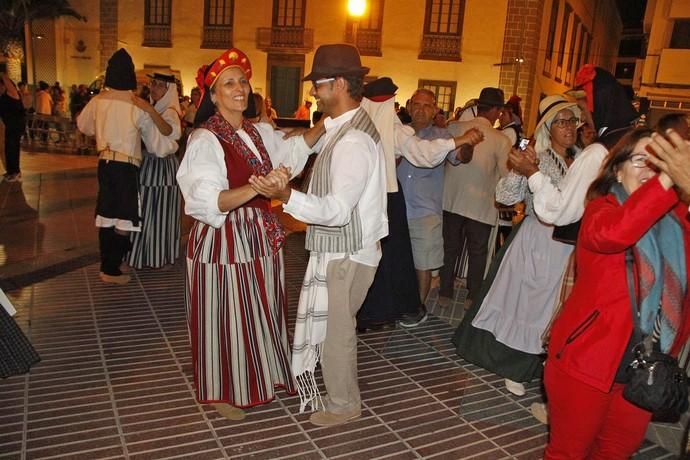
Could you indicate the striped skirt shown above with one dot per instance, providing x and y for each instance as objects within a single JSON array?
[
  {"x": 16, "y": 353},
  {"x": 158, "y": 243},
  {"x": 237, "y": 312}
]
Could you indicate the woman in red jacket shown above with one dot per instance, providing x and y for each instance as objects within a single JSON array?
[{"x": 630, "y": 206}]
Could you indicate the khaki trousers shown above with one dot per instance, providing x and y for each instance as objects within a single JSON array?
[{"x": 348, "y": 283}]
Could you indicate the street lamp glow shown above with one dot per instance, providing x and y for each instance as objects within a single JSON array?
[{"x": 356, "y": 8}]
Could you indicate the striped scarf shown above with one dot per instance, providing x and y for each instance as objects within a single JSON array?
[{"x": 662, "y": 276}]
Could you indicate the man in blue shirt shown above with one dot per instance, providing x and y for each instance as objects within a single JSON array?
[{"x": 423, "y": 190}]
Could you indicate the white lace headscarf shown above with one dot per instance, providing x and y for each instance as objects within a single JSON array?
[{"x": 170, "y": 100}]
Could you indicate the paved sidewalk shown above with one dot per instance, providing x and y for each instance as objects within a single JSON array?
[{"x": 115, "y": 379}]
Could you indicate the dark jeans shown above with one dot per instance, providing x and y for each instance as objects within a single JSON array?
[
  {"x": 12, "y": 142},
  {"x": 456, "y": 229}
]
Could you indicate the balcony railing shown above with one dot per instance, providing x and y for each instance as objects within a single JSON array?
[
  {"x": 440, "y": 47},
  {"x": 157, "y": 36},
  {"x": 216, "y": 37},
  {"x": 368, "y": 41},
  {"x": 285, "y": 39}
]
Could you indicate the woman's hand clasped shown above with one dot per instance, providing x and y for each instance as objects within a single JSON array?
[
  {"x": 274, "y": 184},
  {"x": 524, "y": 162}
]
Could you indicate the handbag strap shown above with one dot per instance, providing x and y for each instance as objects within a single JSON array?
[{"x": 629, "y": 261}]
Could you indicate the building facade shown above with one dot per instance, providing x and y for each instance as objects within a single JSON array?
[
  {"x": 665, "y": 74},
  {"x": 454, "y": 47}
]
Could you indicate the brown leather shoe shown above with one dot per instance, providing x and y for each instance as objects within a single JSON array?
[
  {"x": 325, "y": 418},
  {"x": 112, "y": 279},
  {"x": 230, "y": 412}
]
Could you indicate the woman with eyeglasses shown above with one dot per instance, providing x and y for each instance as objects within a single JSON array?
[
  {"x": 502, "y": 330},
  {"x": 630, "y": 207},
  {"x": 158, "y": 243}
]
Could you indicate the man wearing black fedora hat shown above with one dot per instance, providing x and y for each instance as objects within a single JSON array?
[
  {"x": 345, "y": 207},
  {"x": 469, "y": 196}
]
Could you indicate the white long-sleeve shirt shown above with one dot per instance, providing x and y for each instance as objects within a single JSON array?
[
  {"x": 121, "y": 126},
  {"x": 399, "y": 140},
  {"x": 565, "y": 204},
  {"x": 357, "y": 178},
  {"x": 203, "y": 174}
]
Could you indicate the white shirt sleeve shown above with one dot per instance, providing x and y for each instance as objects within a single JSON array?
[
  {"x": 86, "y": 121},
  {"x": 292, "y": 152},
  {"x": 565, "y": 204},
  {"x": 511, "y": 189},
  {"x": 173, "y": 119},
  {"x": 154, "y": 141},
  {"x": 351, "y": 166},
  {"x": 202, "y": 176},
  {"x": 420, "y": 152}
]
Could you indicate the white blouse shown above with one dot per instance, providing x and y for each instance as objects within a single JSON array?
[{"x": 203, "y": 173}]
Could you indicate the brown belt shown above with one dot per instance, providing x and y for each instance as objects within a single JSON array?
[{"x": 112, "y": 155}]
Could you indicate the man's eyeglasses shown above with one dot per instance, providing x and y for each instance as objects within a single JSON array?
[
  {"x": 565, "y": 122},
  {"x": 322, "y": 81},
  {"x": 638, "y": 160}
]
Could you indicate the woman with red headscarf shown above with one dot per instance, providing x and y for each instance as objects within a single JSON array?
[{"x": 235, "y": 298}]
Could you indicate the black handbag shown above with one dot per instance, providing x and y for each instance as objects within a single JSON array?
[
  {"x": 566, "y": 233},
  {"x": 656, "y": 383}
]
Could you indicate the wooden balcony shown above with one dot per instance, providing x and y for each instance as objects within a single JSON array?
[
  {"x": 440, "y": 47},
  {"x": 216, "y": 37},
  {"x": 285, "y": 39},
  {"x": 157, "y": 36},
  {"x": 368, "y": 41}
]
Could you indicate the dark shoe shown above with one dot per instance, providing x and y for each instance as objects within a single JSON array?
[
  {"x": 375, "y": 326},
  {"x": 408, "y": 321}
]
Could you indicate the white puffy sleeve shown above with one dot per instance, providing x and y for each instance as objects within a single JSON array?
[
  {"x": 420, "y": 152},
  {"x": 86, "y": 121},
  {"x": 172, "y": 118},
  {"x": 202, "y": 176},
  {"x": 511, "y": 189},
  {"x": 154, "y": 141},
  {"x": 292, "y": 152},
  {"x": 565, "y": 204}
]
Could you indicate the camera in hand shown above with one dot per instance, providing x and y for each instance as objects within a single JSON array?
[{"x": 524, "y": 142}]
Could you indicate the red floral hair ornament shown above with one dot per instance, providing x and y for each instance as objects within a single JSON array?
[
  {"x": 230, "y": 58},
  {"x": 584, "y": 80},
  {"x": 200, "y": 83}
]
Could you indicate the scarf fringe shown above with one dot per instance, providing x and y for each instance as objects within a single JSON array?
[{"x": 308, "y": 389}]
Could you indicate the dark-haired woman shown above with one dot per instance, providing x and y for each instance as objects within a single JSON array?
[
  {"x": 630, "y": 206},
  {"x": 235, "y": 297}
]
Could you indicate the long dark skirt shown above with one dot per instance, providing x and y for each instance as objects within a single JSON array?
[
  {"x": 480, "y": 347},
  {"x": 16, "y": 353},
  {"x": 394, "y": 291}
]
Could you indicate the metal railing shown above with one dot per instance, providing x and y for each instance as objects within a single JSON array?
[{"x": 55, "y": 133}]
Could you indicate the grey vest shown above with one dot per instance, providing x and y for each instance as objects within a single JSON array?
[{"x": 347, "y": 238}]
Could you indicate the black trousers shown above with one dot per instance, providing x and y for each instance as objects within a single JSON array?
[
  {"x": 456, "y": 229},
  {"x": 113, "y": 248},
  {"x": 12, "y": 143}
]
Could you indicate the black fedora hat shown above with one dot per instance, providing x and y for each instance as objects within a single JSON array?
[
  {"x": 162, "y": 77},
  {"x": 339, "y": 60},
  {"x": 383, "y": 86},
  {"x": 493, "y": 97}
]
